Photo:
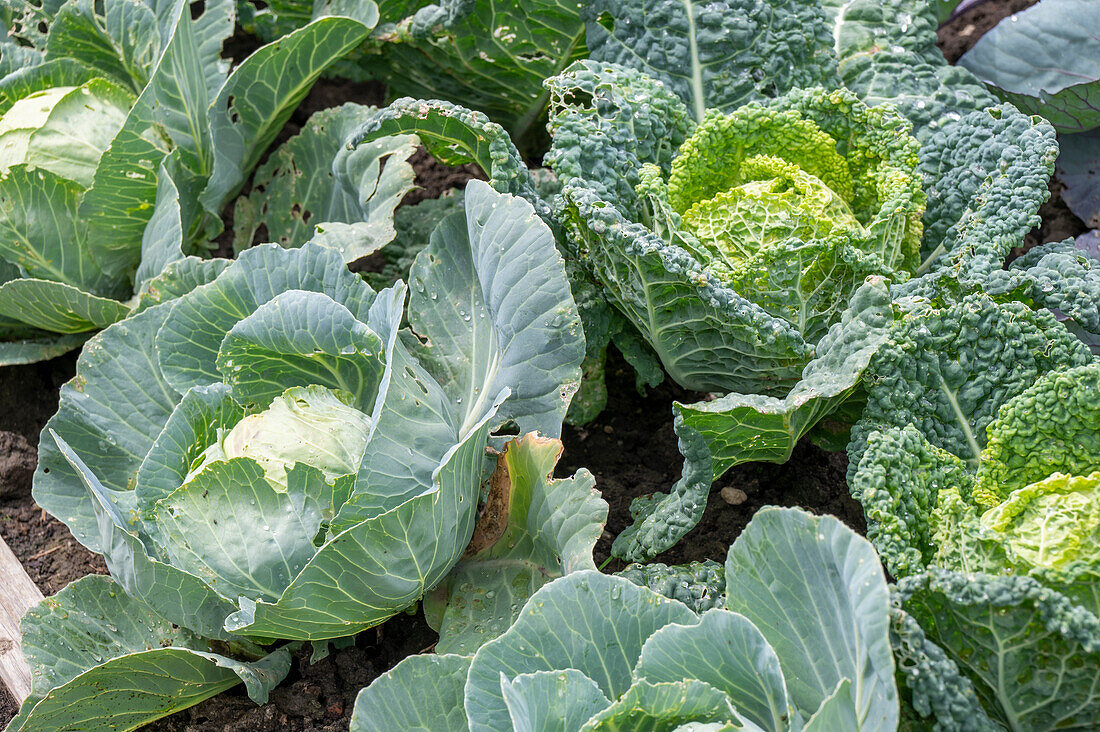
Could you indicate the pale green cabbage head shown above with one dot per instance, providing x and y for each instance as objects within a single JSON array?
[
  {"x": 1050, "y": 523},
  {"x": 64, "y": 129},
  {"x": 307, "y": 424}
]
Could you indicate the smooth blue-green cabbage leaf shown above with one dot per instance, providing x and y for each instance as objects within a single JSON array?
[
  {"x": 799, "y": 641},
  {"x": 1040, "y": 59}
]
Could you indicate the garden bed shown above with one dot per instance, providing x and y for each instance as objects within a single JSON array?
[{"x": 630, "y": 448}]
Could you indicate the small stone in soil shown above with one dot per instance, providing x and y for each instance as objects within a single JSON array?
[{"x": 734, "y": 496}]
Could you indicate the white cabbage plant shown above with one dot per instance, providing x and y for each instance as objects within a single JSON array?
[
  {"x": 798, "y": 638},
  {"x": 273, "y": 457},
  {"x": 124, "y": 133}
]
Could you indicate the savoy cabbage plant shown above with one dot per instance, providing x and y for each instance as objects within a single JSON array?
[
  {"x": 978, "y": 467},
  {"x": 123, "y": 134},
  {"x": 272, "y": 456},
  {"x": 798, "y": 641},
  {"x": 747, "y": 195}
]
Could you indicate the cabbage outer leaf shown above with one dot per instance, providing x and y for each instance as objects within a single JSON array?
[
  {"x": 119, "y": 39},
  {"x": 898, "y": 480},
  {"x": 744, "y": 662},
  {"x": 591, "y": 141},
  {"x": 102, "y": 658},
  {"x": 497, "y": 271},
  {"x": 714, "y": 436},
  {"x": 29, "y": 346},
  {"x": 662, "y": 519},
  {"x": 488, "y": 55},
  {"x": 815, "y": 589},
  {"x": 259, "y": 96},
  {"x": 169, "y": 112},
  {"x": 532, "y": 530},
  {"x": 1031, "y": 654},
  {"x": 742, "y": 428},
  {"x": 934, "y": 680},
  {"x": 941, "y": 373},
  {"x": 552, "y": 699},
  {"x": 422, "y": 692},
  {"x": 565, "y": 625},
  {"x": 313, "y": 189},
  {"x": 1065, "y": 279},
  {"x": 1039, "y": 60},
  {"x": 715, "y": 55},
  {"x": 886, "y": 52},
  {"x": 40, "y": 233}
]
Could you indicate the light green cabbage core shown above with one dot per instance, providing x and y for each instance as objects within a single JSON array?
[
  {"x": 64, "y": 129},
  {"x": 778, "y": 201},
  {"x": 724, "y": 151},
  {"x": 1050, "y": 523},
  {"x": 792, "y": 204},
  {"x": 1033, "y": 503},
  {"x": 815, "y": 167},
  {"x": 310, "y": 425}
]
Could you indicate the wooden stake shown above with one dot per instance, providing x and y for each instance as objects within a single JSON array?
[{"x": 17, "y": 594}]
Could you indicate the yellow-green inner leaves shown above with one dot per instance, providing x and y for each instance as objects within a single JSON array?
[
  {"x": 815, "y": 167},
  {"x": 1050, "y": 523},
  {"x": 777, "y": 201},
  {"x": 713, "y": 159},
  {"x": 309, "y": 425}
]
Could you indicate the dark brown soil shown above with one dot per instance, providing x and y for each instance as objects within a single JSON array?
[
  {"x": 631, "y": 449},
  {"x": 433, "y": 178},
  {"x": 314, "y": 698}
]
